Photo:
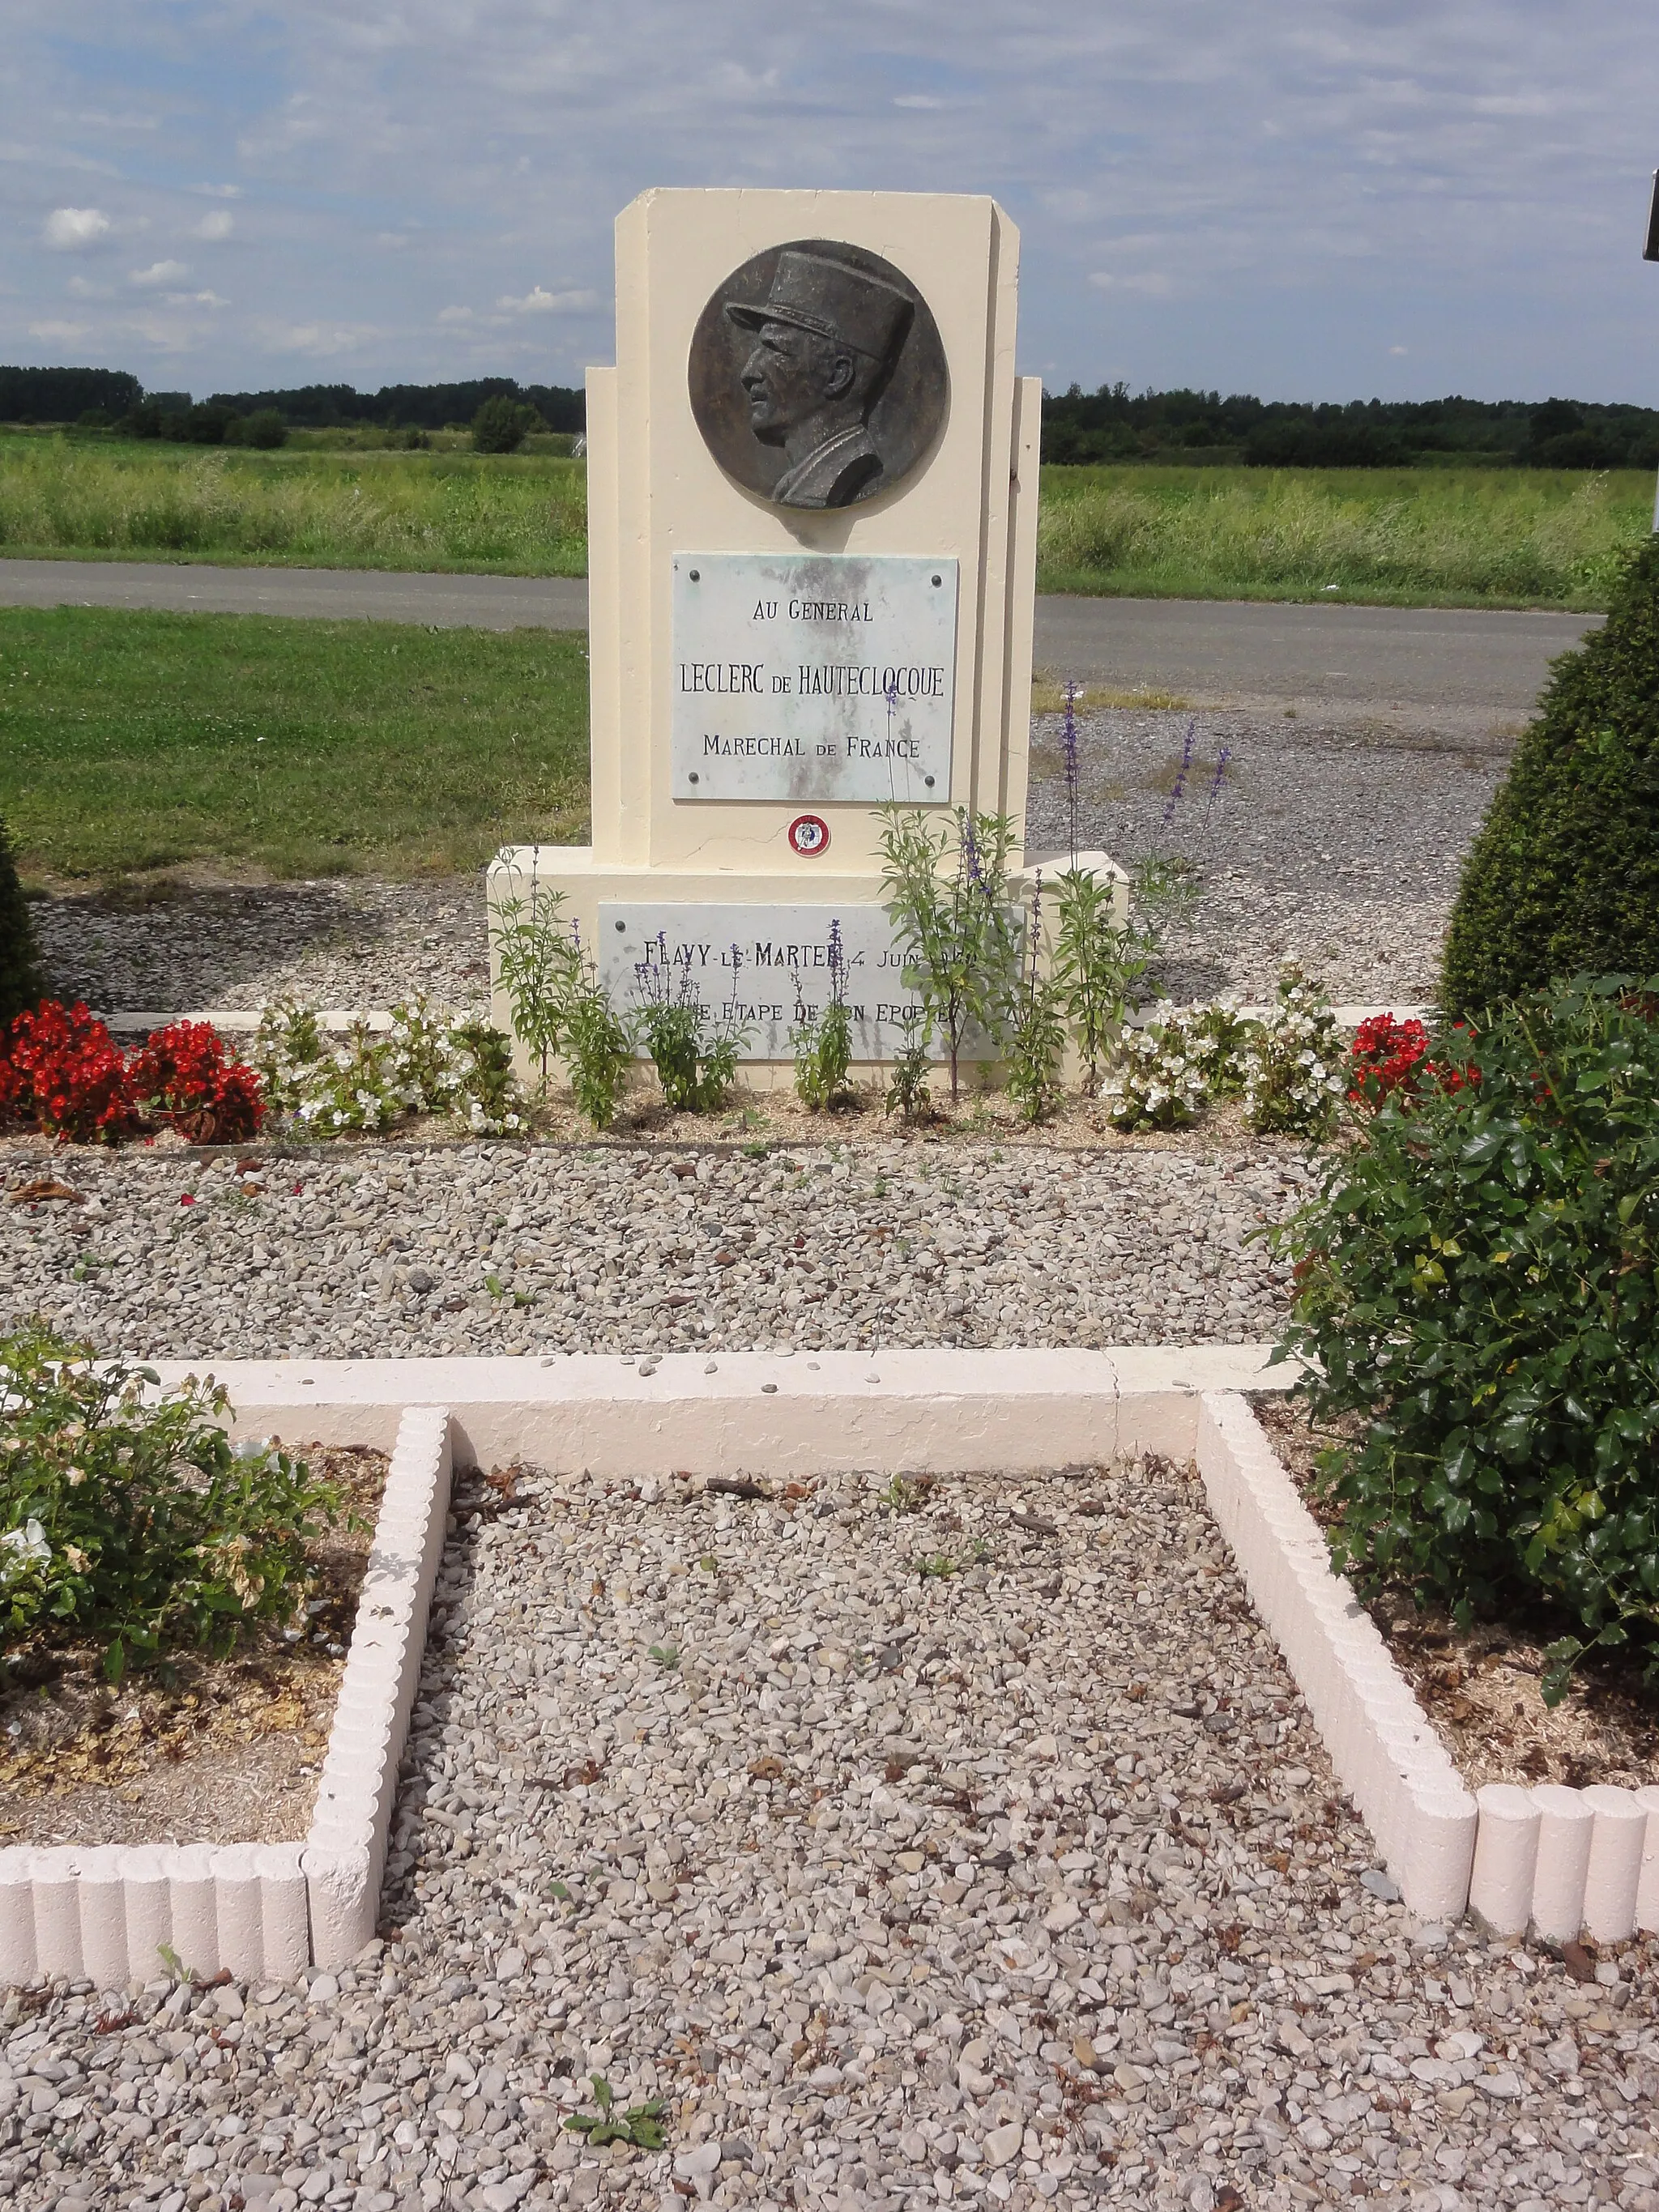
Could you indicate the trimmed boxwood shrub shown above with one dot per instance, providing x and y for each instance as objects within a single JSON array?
[
  {"x": 1562, "y": 878},
  {"x": 20, "y": 972},
  {"x": 1479, "y": 1284}
]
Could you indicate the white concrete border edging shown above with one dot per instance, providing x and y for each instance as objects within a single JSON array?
[
  {"x": 345, "y": 1853},
  {"x": 1385, "y": 1751},
  {"x": 1553, "y": 1862},
  {"x": 785, "y": 1415},
  {"x": 101, "y": 1912}
]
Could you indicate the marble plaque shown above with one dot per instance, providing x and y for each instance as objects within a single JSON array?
[
  {"x": 817, "y": 677},
  {"x": 753, "y": 963}
]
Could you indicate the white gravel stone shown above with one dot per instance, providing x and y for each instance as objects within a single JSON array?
[
  {"x": 498, "y": 1247},
  {"x": 354, "y": 941},
  {"x": 789, "y": 1874},
  {"x": 1339, "y": 846}
]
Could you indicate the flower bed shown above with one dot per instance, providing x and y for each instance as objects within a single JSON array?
[{"x": 63, "y": 1073}]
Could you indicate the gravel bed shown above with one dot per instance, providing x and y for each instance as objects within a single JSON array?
[
  {"x": 895, "y": 1890},
  {"x": 1338, "y": 846},
  {"x": 494, "y": 1248},
  {"x": 167, "y": 945}
]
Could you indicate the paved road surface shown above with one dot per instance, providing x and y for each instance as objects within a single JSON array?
[{"x": 1475, "y": 671}]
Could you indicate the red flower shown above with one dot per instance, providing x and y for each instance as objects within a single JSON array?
[
  {"x": 1390, "y": 1059},
  {"x": 62, "y": 1072},
  {"x": 182, "y": 1075}
]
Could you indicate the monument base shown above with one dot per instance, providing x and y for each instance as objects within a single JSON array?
[{"x": 757, "y": 947}]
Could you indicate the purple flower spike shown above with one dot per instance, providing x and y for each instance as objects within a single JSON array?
[
  {"x": 1180, "y": 790},
  {"x": 970, "y": 854}
]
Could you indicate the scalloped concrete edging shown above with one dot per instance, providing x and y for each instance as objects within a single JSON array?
[
  {"x": 102, "y": 1912},
  {"x": 1557, "y": 1862}
]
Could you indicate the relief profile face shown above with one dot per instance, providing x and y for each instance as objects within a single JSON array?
[{"x": 817, "y": 375}]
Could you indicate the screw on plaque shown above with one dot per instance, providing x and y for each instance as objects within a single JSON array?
[
  {"x": 697, "y": 575},
  {"x": 938, "y": 579}
]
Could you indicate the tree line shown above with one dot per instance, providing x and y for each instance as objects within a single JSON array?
[
  {"x": 112, "y": 399},
  {"x": 1115, "y": 424},
  {"x": 1111, "y": 424}
]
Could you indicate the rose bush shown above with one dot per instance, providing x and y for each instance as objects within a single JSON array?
[{"x": 1478, "y": 1287}]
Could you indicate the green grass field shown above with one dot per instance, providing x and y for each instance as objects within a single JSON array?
[
  {"x": 520, "y": 514},
  {"x": 139, "y": 741},
  {"x": 1415, "y": 537},
  {"x": 1407, "y": 536}
]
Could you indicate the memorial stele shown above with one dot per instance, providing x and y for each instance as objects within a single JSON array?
[{"x": 812, "y": 489}]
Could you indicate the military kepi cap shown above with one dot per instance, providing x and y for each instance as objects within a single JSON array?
[{"x": 833, "y": 301}]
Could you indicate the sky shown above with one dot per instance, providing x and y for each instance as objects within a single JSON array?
[{"x": 1307, "y": 199}]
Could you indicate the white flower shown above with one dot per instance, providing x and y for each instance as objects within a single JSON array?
[{"x": 26, "y": 1547}]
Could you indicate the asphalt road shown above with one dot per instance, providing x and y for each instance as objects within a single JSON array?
[{"x": 1452, "y": 669}]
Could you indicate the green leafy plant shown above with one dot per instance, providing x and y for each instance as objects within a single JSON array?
[
  {"x": 536, "y": 961},
  {"x": 1037, "y": 1035},
  {"x": 1562, "y": 877},
  {"x": 640, "y": 2124},
  {"x": 1100, "y": 962},
  {"x": 599, "y": 1049},
  {"x": 667, "y": 1656},
  {"x": 131, "y": 1519},
  {"x": 935, "y": 1566},
  {"x": 19, "y": 960},
  {"x": 694, "y": 1052},
  {"x": 424, "y": 1062},
  {"x": 948, "y": 899},
  {"x": 1155, "y": 1080},
  {"x": 1295, "y": 1071},
  {"x": 1478, "y": 1290},
  {"x": 907, "y": 1092},
  {"x": 822, "y": 1039}
]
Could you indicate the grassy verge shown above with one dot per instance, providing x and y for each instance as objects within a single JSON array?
[
  {"x": 521, "y": 514},
  {"x": 131, "y": 741},
  {"x": 1451, "y": 537},
  {"x": 1407, "y": 537}
]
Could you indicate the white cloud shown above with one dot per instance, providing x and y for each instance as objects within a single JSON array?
[
  {"x": 72, "y": 229},
  {"x": 159, "y": 272},
  {"x": 537, "y": 302},
  {"x": 320, "y": 341},
  {"x": 1398, "y": 351},
  {"x": 194, "y": 300},
  {"x": 454, "y": 314},
  {"x": 219, "y": 224},
  {"x": 1300, "y": 176},
  {"x": 58, "y": 333}
]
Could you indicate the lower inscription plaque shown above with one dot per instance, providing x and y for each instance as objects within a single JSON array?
[
  {"x": 754, "y": 965},
  {"x": 813, "y": 677}
]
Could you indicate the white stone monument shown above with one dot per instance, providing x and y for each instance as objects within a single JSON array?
[{"x": 812, "y": 486}]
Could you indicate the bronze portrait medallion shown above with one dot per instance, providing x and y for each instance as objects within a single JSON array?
[{"x": 817, "y": 374}]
